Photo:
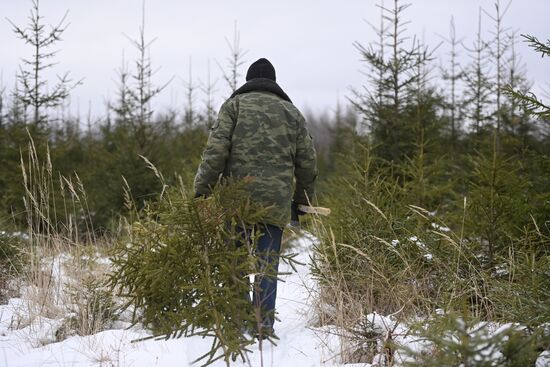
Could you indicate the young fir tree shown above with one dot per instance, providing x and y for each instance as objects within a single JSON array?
[
  {"x": 344, "y": 140},
  {"x": 498, "y": 50},
  {"x": 129, "y": 133},
  {"x": 13, "y": 135},
  {"x": 458, "y": 340},
  {"x": 33, "y": 98},
  {"x": 523, "y": 296},
  {"x": 123, "y": 107},
  {"x": 374, "y": 55},
  {"x": 234, "y": 61},
  {"x": 393, "y": 68},
  {"x": 208, "y": 88},
  {"x": 499, "y": 202},
  {"x": 17, "y": 111},
  {"x": 521, "y": 287},
  {"x": 424, "y": 165},
  {"x": 499, "y": 191},
  {"x": 536, "y": 160},
  {"x": 142, "y": 93},
  {"x": 454, "y": 75},
  {"x": 190, "y": 115},
  {"x": 478, "y": 87},
  {"x": 35, "y": 91},
  {"x": 185, "y": 266}
]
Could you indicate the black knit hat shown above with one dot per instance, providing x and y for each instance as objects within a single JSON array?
[{"x": 261, "y": 68}]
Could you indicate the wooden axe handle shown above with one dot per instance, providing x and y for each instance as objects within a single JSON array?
[{"x": 314, "y": 209}]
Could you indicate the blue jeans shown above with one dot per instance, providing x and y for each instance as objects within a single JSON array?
[{"x": 268, "y": 249}]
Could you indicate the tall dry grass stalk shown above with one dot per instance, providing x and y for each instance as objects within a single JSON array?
[{"x": 65, "y": 268}]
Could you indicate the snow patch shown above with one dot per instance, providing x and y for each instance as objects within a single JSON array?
[
  {"x": 422, "y": 246},
  {"x": 440, "y": 228}
]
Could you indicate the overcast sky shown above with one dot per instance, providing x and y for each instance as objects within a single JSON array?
[{"x": 310, "y": 42}]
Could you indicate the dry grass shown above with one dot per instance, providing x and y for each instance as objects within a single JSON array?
[
  {"x": 64, "y": 274},
  {"x": 373, "y": 275}
]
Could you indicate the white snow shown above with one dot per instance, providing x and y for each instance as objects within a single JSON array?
[
  {"x": 31, "y": 342},
  {"x": 440, "y": 228},
  {"x": 20, "y": 235},
  {"x": 299, "y": 345},
  {"x": 544, "y": 359},
  {"x": 421, "y": 245}
]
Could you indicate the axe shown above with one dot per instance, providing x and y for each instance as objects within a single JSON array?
[
  {"x": 295, "y": 222},
  {"x": 314, "y": 209}
]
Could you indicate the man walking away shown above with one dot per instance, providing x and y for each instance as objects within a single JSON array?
[{"x": 260, "y": 137}]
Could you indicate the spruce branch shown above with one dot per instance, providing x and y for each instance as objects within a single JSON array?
[
  {"x": 530, "y": 102},
  {"x": 543, "y": 48}
]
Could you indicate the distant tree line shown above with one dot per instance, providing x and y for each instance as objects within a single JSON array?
[{"x": 432, "y": 124}]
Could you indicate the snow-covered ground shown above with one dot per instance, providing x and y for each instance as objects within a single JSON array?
[
  {"x": 299, "y": 345},
  {"x": 25, "y": 343}
]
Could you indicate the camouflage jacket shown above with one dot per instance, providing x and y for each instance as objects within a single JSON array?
[{"x": 260, "y": 137}]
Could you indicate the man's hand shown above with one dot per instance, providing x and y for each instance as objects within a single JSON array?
[{"x": 295, "y": 213}]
